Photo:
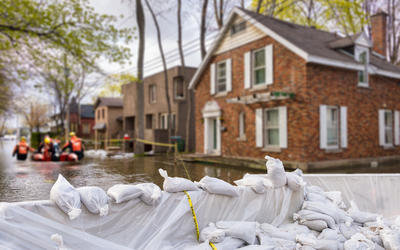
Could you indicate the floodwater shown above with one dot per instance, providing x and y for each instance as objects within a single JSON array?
[{"x": 22, "y": 181}]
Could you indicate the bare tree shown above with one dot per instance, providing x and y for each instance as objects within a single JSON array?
[
  {"x": 140, "y": 20},
  {"x": 219, "y": 13},
  {"x": 34, "y": 112},
  {"x": 164, "y": 63},
  {"x": 393, "y": 29},
  {"x": 203, "y": 29}
]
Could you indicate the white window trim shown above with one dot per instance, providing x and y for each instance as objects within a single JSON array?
[
  {"x": 385, "y": 128},
  {"x": 341, "y": 126},
  {"x": 164, "y": 118},
  {"x": 175, "y": 88},
  {"x": 253, "y": 68},
  {"x": 358, "y": 50},
  {"x": 260, "y": 116},
  {"x": 151, "y": 86},
  {"x": 337, "y": 146},
  {"x": 265, "y": 128}
]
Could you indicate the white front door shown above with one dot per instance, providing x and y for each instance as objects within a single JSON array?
[{"x": 212, "y": 140}]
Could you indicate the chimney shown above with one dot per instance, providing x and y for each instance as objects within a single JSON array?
[{"x": 378, "y": 32}]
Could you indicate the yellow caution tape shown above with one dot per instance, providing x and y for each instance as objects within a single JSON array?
[
  {"x": 194, "y": 215},
  {"x": 212, "y": 246},
  {"x": 155, "y": 143}
]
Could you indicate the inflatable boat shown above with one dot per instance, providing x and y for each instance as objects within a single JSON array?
[{"x": 56, "y": 156}]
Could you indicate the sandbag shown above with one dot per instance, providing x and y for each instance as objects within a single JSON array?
[
  {"x": 276, "y": 172},
  {"x": 275, "y": 232},
  {"x": 306, "y": 239},
  {"x": 66, "y": 197},
  {"x": 305, "y": 215},
  {"x": 327, "y": 245},
  {"x": 176, "y": 184},
  {"x": 229, "y": 243},
  {"x": 359, "y": 242},
  {"x": 94, "y": 199},
  {"x": 348, "y": 230},
  {"x": 254, "y": 182},
  {"x": 124, "y": 192},
  {"x": 218, "y": 186},
  {"x": 294, "y": 181},
  {"x": 212, "y": 234},
  {"x": 151, "y": 193},
  {"x": 295, "y": 227},
  {"x": 329, "y": 209},
  {"x": 317, "y": 225},
  {"x": 244, "y": 230},
  {"x": 359, "y": 216},
  {"x": 390, "y": 238},
  {"x": 331, "y": 234},
  {"x": 336, "y": 198}
]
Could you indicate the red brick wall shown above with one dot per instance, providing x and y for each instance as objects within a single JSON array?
[
  {"x": 289, "y": 75},
  {"x": 313, "y": 85},
  {"x": 333, "y": 86}
]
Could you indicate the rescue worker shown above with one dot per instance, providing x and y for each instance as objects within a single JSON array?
[
  {"x": 22, "y": 149},
  {"x": 46, "y": 148},
  {"x": 75, "y": 146}
]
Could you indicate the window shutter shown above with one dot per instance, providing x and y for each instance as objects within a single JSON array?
[
  {"x": 212, "y": 79},
  {"x": 269, "y": 64},
  {"x": 323, "y": 131},
  {"x": 259, "y": 132},
  {"x": 396, "y": 127},
  {"x": 381, "y": 127},
  {"x": 247, "y": 70},
  {"x": 229, "y": 75},
  {"x": 343, "y": 127},
  {"x": 283, "y": 127}
]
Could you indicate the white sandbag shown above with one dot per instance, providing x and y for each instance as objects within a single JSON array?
[
  {"x": 58, "y": 239},
  {"x": 360, "y": 216},
  {"x": 276, "y": 172},
  {"x": 327, "y": 245},
  {"x": 312, "y": 215},
  {"x": 336, "y": 198},
  {"x": 218, "y": 186},
  {"x": 102, "y": 154},
  {"x": 390, "y": 238},
  {"x": 66, "y": 197},
  {"x": 295, "y": 227},
  {"x": 244, "y": 230},
  {"x": 275, "y": 232},
  {"x": 320, "y": 197},
  {"x": 124, "y": 192},
  {"x": 313, "y": 189},
  {"x": 254, "y": 182},
  {"x": 372, "y": 233},
  {"x": 257, "y": 247},
  {"x": 329, "y": 209},
  {"x": 348, "y": 230},
  {"x": 359, "y": 242},
  {"x": 229, "y": 243},
  {"x": 331, "y": 234},
  {"x": 306, "y": 239},
  {"x": 317, "y": 225},
  {"x": 212, "y": 234},
  {"x": 294, "y": 181},
  {"x": 151, "y": 193},
  {"x": 176, "y": 184},
  {"x": 275, "y": 243},
  {"x": 94, "y": 199}
]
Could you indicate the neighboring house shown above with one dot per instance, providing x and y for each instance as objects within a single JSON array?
[
  {"x": 108, "y": 122},
  {"x": 81, "y": 119},
  {"x": 269, "y": 87},
  {"x": 156, "y": 109}
]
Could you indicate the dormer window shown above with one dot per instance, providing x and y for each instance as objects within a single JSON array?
[
  {"x": 362, "y": 56},
  {"x": 237, "y": 27}
]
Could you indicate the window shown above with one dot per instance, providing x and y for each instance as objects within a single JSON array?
[
  {"x": 152, "y": 93},
  {"x": 149, "y": 121},
  {"x": 163, "y": 121},
  {"x": 242, "y": 133},
  {"x": 258, "y": 66},
  {"x": 237, "y": 27},
  {"x": 221, "y": 77},
  {"x": 271, "y": 127},
  {"x": 103, "y": 113},
  {"x": 86, "y": 128},
  {"x": 363, "y": 75},
  {"x": 388, "y": 127},
  {"x": 98, "y": 114},
  {"x": 179, "y": 87},
  {"x": 173, "y": 121},
  {"x": 332, "y": 124}
]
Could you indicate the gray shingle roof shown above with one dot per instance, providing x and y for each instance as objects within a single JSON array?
[
  {"x": 87, "y": 111},
  {"x": 315, "y": 42}
]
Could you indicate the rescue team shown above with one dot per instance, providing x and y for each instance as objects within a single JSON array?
[{"x": 49, "y": 150}]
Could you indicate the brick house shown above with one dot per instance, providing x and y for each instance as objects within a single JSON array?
[
  {"x": 108, "y": 118},
  {"x": 155, "y": 106},
  {"x": 310, "y": 97},
  {"x": 81, "y": 119}
]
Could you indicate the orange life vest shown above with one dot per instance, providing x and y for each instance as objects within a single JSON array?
[
  {"x": 76, "y": 144},
  {"x": 23, "y": 148}
]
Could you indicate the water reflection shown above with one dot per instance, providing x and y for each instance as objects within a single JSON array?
[{"x": 29, "y": 180}]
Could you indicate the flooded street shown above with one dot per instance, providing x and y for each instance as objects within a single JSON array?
[{"x": 21, "y": 181}]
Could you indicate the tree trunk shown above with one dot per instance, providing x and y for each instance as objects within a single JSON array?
[
  {"x": 203, "y": 29},
  {"x": 160, "y": 47},
  {"x": 139, "y": 146},
  {"x": 188, "y": 91}
]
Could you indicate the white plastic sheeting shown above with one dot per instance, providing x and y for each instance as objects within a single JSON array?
[
  {"x": 375, "y": 193},
  {"x": 135, "y": 225}
]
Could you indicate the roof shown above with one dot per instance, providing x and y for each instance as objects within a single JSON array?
[
  {"x": 313, "y": 45},
  {"x": 115, "y": 102},
  {"x": 87, "y": 111}
]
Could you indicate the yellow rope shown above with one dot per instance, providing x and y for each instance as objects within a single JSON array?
[
  {"x": 212, "y": 246},
  {"x": 194, "y": 215}
]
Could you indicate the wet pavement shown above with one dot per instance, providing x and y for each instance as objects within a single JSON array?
[{"x": 22, "y": 181}]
